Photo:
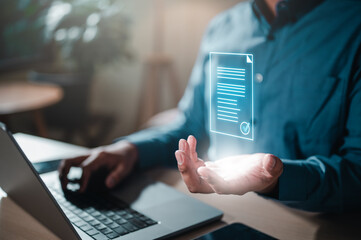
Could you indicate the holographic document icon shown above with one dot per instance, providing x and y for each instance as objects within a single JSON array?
[{"x": 231, "y": 94}]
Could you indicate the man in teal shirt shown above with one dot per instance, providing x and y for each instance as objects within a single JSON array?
[{"x": 307, "y": 111}]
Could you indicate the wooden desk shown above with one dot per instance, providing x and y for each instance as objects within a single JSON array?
[
  {"x": 267, "y": 216},
  {"x": 19, "y": 97}
]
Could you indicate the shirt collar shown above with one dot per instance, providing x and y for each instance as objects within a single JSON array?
[{"x": 287, "y": 11}]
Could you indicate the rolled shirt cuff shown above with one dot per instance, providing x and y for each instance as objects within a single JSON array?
[{"x": 293, "y": 181}]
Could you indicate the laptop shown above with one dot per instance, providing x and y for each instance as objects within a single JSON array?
[{"x": 138, "y": 209}]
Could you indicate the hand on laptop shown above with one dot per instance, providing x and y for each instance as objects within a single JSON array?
[
  {"x": 234, "y": 175},
  {"x": 118, "y": 158}
]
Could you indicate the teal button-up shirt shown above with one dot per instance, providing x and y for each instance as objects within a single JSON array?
[{"x": 307, "y": 99}]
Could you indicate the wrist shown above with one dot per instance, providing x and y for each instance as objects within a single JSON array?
[
  {"x": 131, "y": 151},
  {"x": 124, "y": 148},
  {"x": 272, "y": 190}
]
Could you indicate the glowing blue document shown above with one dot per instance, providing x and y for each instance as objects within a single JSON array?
[{"x": 231, "y": 94}]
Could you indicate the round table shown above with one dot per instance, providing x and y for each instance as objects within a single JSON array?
[{"x": 19, "y": 97}]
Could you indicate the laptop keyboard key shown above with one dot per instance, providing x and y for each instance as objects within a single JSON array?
[
  {"x": 106, "y": 231},
  {"x": 92, "y": 232},
  {"x": 86, "y": 227},
  {"x": 113, "y": 235},
  {"x": 107, "y": 221},
  {"x": 94, "y": 222},
  {"x": 121, "y": 212},
  {"x": 138, "y": 223},
  {"x": 121, "y": 221},
  {"x": 83, "y": 215},
  {"x": 130, "y": 227},
  {"x": 113, "y": 225},
  {"x": 100, "y": 218},
  {"x": 115, "y": 217},
  {"x": 128, "y": 216},
  {"x": 150, "y": 222},
  {"x": 95, "y": 214},
  {"x": 90, "y": 210},
  {"x": 109, "y": 214},
  {"x": 100, "y": 226},
  {"x": 100, "y": 236},
  {"x": 88, "y": 218},
  {"x": 121, "y": 230},
  {"x": 78, "y": 211},
  {"x": 80, "y": 223}
]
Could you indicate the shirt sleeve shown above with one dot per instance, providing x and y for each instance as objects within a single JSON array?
[
  {"x": 156, "y": 146},
  {"x": 332, "y": 183}
]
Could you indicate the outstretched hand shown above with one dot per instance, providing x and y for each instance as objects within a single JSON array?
[{"x": 233, "y": 175}]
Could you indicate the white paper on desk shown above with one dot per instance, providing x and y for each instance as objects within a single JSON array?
[{"x": 39, "y": 149}]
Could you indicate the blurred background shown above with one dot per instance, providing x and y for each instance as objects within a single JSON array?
[{"x": 89, "y": 71}]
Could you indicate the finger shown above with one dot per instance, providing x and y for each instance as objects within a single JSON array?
[
  {"x": 116, "y": 176},
  {"x": 273, "y": 166},
  {"x": 192, "y": 142},
  {"x": 91, "y": 164},
  {"x": 217, "y": 183},
  {"x": 181, "y": 158},
  {"x": 189, "y": 174},
  {"x": 85, "y": 179},
  {"x": 65, "y": 166},
  {"x": 183, "y": 146}
]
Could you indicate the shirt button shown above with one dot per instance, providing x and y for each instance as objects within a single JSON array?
[{"x": 259, "y": 77}]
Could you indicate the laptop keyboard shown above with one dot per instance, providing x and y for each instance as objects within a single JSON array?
[{"x": 101, "y": 218}]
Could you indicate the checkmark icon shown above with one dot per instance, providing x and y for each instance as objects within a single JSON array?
[{"x": 245, "y": 128}]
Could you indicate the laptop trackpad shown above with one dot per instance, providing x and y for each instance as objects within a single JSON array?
[{"x": 142, "y": 193}]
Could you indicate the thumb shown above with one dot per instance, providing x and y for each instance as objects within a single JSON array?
[
  {"x": 273, "y": 165},
  {"x": 115, "y": 176},
  {"x": 216, "y": 182}
]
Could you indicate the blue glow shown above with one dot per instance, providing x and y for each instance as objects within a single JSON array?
[{"x": 231, "y": 101}]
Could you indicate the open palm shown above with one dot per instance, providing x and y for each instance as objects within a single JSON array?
[{"x": 233, "y": 175}]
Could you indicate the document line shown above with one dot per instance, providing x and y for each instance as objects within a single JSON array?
[
  {"x": 226, "y": 112},
  {"x": 227, "y": 99},
  {"x": 236, "y": 88},
  {"x": 229, "y": 94},
  {"x": 227, "y": 103},
  {"x": 227, "y": 90},
  {"x": 231, "y": 74},
  {"x": 229, "y": 120},
  {"x": 222, "y": 115},
  {"x": 239, "y": 79},
  {"x": 228, "y": 71},
  {"x": 236, "y": 109},
  {"x": 234, "y": 85},
  {"x": 239, "y": 69}
]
